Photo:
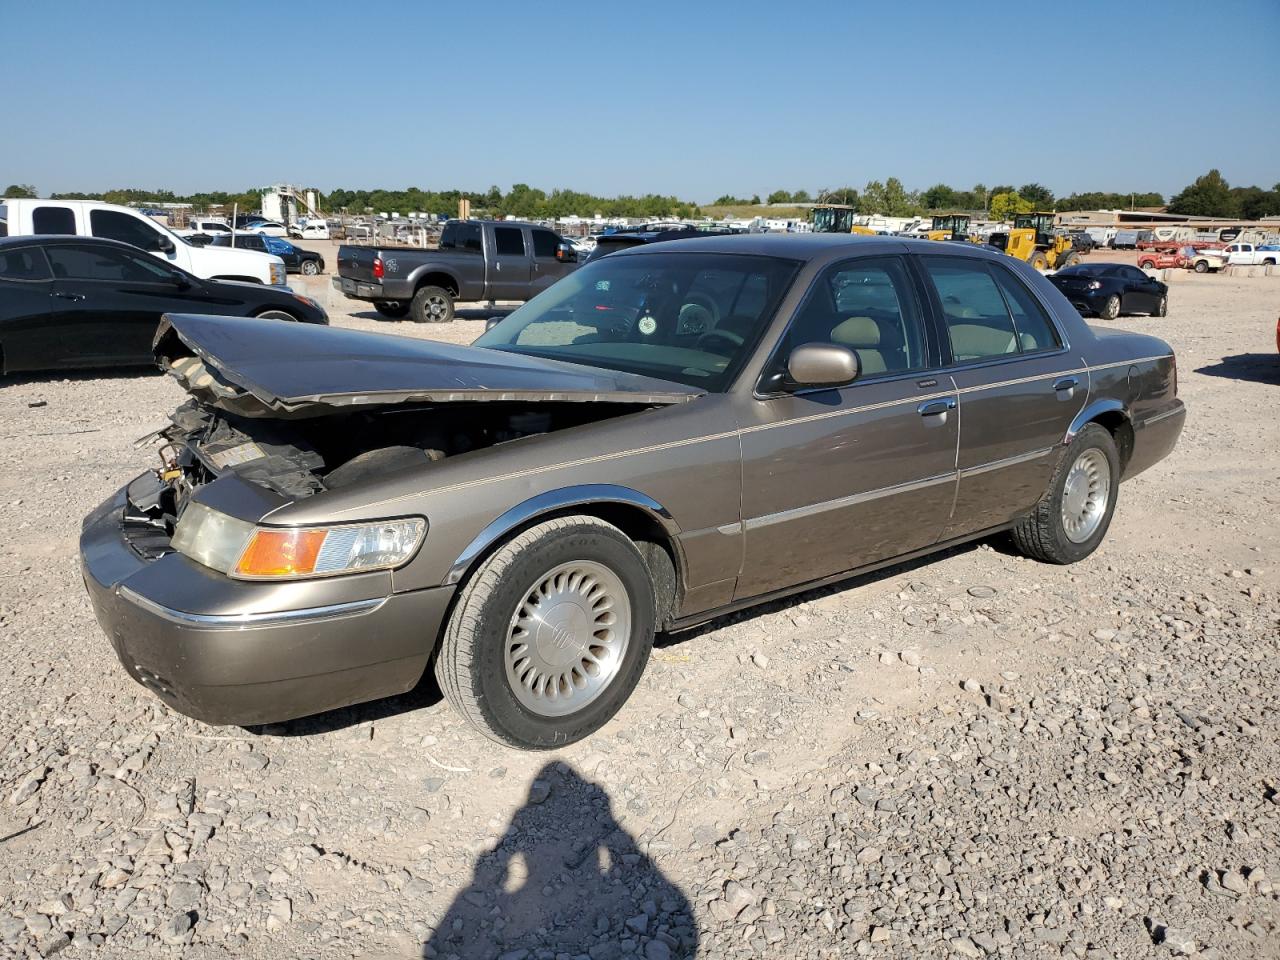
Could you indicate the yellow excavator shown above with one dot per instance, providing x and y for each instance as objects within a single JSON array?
[
  {"x": 1034, "y": 240},
  {"x": 951, "y": 226},
  {"x": 837, "y": 218}
]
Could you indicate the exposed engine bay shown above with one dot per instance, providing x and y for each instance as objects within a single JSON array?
[{"x": 299, "y": 458}]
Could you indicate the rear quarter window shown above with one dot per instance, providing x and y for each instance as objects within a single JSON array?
[
  {"x": 53, "y": 220},
  {"x": 25, "y": 264}
]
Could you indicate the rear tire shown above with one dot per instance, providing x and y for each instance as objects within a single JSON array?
[
  {"x": 560, "y": 672},
  {"x": 276, "y": 315},
  {"x": 1162, "y": 308},
  {"x": 394, "y": 309},
  {"x": 1072, "y": 518},
  {"x": 432, "y": 305},
  {"x": 1039, "y": 261},
  {"x": 1111, "y": 309}
]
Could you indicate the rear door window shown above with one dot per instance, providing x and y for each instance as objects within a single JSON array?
[
  {"x": 544, "y": 244},
  {"x": 508, "y": 241},
  {"x": 461, "y": 236},
  {"x": 60, "y": 220},
  {"x": 26, "y": 264},
  {"x": 978, "y": 321},
  {"x": 1035, "y": 330},
  {"x": 124, "y": 227}
]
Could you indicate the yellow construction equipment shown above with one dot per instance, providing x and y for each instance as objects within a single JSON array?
[
  {"x": 837, "y": 218},
  {"x": 951, "y": 226},
  {"x": 1034, "y": 239}
]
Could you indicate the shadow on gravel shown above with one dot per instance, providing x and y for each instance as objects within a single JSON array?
[
  {"x": 425, "y": 694},
  {"x": 565, "y": 877},
  {"x": 57, "y": 376},
  {"x": 1254, "y": 367}
]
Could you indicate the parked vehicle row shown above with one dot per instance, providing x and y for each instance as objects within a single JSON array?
[
  {"x": 69, "y": 301},
  {"x": 296, "y": 259},
  {"x": 89, "y": 218}
]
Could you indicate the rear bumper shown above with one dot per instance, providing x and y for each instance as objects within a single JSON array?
[
  {"x": 368, "y": 290},
  {"x": 1155, "y": 437},
  {"x": 232, "y": 663}
]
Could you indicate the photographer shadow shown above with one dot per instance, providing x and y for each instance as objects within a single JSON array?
[{"x": 565, "y": 877}]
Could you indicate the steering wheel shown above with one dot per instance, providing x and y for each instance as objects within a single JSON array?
[
  {"x": 697, "y": 314},
  {"x": 712, "y": 335}
]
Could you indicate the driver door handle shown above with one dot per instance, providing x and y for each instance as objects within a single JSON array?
[
  {"x": 932, "y": 408},
  {"x": 70, "y": 296}
]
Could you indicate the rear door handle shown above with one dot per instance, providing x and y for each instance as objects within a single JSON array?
[
  {"x": 70, "y": 296},
  {"x": 933, "y": 408}
]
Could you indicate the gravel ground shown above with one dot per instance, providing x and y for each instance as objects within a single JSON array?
[{"x": 974, "y": 755}]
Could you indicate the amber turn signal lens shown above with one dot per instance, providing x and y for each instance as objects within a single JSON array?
[{"x": 281, "y": 553}]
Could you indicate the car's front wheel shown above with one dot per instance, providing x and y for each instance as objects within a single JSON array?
[
  {"x": 1073, "y": 516},
  {"x": 310, "y": 268},
  {"x": 275, "y": 315},
  {"x": 1162, "y": 307},
  {"x": 1201, "y": 267},
  {"x": 550, "y": 635}
]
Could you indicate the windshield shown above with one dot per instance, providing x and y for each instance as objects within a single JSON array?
[
  {"x": 832, "y": 220},
  {"x": 692, "y": 318}
]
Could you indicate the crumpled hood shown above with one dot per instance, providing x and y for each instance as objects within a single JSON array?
[{"x": 276, "y": 368}]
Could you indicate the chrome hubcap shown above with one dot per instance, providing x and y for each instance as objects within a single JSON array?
[
  {"x": 1086, "y": 495},
  {"x": 568, "y": 638},
  {"x": 435, "y": 307}
]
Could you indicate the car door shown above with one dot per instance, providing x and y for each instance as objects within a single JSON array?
[
  {"x": 28, "y": 340},
  {"x": 547, "y": 267},
  {"x": 1141, "y": 291},
  {"x": 108, "y": 302},
  {"x": 510, "y": 264},
  {"x": 1018, "y": 383},
  {"x": 835, "y": 479}
]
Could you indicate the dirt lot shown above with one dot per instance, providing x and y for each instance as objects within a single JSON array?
[{"x": 973, "y": 755}]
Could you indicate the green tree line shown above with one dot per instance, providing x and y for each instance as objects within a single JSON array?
[{"x": 1209, "y": 195}]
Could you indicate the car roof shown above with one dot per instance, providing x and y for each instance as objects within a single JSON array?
[
  {"x": 62, "y": 239},
  {"x": 807, "y": 246}
]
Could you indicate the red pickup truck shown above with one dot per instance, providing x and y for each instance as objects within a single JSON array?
[{"x": 1165, "y": 257}]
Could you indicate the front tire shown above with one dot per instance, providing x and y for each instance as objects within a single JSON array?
[
  {"x": 1072, "y": 518},
  {"x": 432, "y": 305},
  {"x": 310, "y": 268},
  {"x": 1039, "y": 261},
  {"x": 1111, "y": 309},
  {"x": 1162, "y": 308},
  {"x": 1201, "y": 267},
  {"x": 550, "y": 636},
  {"x": 276, "y": 315}
]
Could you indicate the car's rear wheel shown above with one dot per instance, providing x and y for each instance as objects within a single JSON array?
[
  {"x": 275, "y": 315},
  {"x": 1039, "y": 260},
  {"x": 1073, "y": 516},
  {"x": 1111, "y": 309},
  {"x": 394, "y": 309},
  {"x": 432, "y": 305},
  {"x": 550, "y": 635},
  {"x": 1162, "y": 307},
  {"x": 310, "y": 268}
]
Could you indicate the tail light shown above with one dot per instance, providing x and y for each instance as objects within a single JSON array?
[
  {"x": 377, "y": 267},
  {"x": 1175, "y": 367}
]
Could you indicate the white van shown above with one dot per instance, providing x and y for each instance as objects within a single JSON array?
[{"x": 89, "y": 218}]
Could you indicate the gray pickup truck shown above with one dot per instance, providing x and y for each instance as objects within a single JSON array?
[{"x": 477, "y": 260}]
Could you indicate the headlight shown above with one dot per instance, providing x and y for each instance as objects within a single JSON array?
[
  {"x": 1095, "y": 284},
  {"x": 278, "y": 275},
  {"x": 248, "y": 552}
]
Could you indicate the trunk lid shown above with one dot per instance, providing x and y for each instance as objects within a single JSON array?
[{"x": 283, "y": 370}]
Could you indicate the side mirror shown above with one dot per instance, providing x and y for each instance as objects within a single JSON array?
[
  {"x": 165, "y": 245},
  {"x": 566, "y": 254},
  {"x": 822, "y": 365},
  {"x": 491, "y": 322}
]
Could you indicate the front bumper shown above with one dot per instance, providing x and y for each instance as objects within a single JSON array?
[{"x": 223, "y": 651}]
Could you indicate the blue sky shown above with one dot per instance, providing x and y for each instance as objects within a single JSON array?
[{"x": 691, "y": 98}]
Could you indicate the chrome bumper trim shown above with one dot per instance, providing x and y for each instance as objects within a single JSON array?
[{"x": 232, "y": 621}]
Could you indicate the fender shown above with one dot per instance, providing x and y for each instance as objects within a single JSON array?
[
  {"x": 550, "y": 502},
  {"x": 1091, "y": 411},
  {"x": 414, "y": 277}
]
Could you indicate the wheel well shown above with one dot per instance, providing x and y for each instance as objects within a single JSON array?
[
  {"x": 650, "y": 537},
  {"x": 1121, "y": 430},
  {"x": 289, "y": 313},
  {"x": 438, "y": 280}
]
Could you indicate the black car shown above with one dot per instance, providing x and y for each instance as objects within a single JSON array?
[
  {"x": 1082, "y": 242},
  {"x": 70, "y": 301},
  {"x": 1107, "y": 290},
  {"x": 296, "y": 260}
]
